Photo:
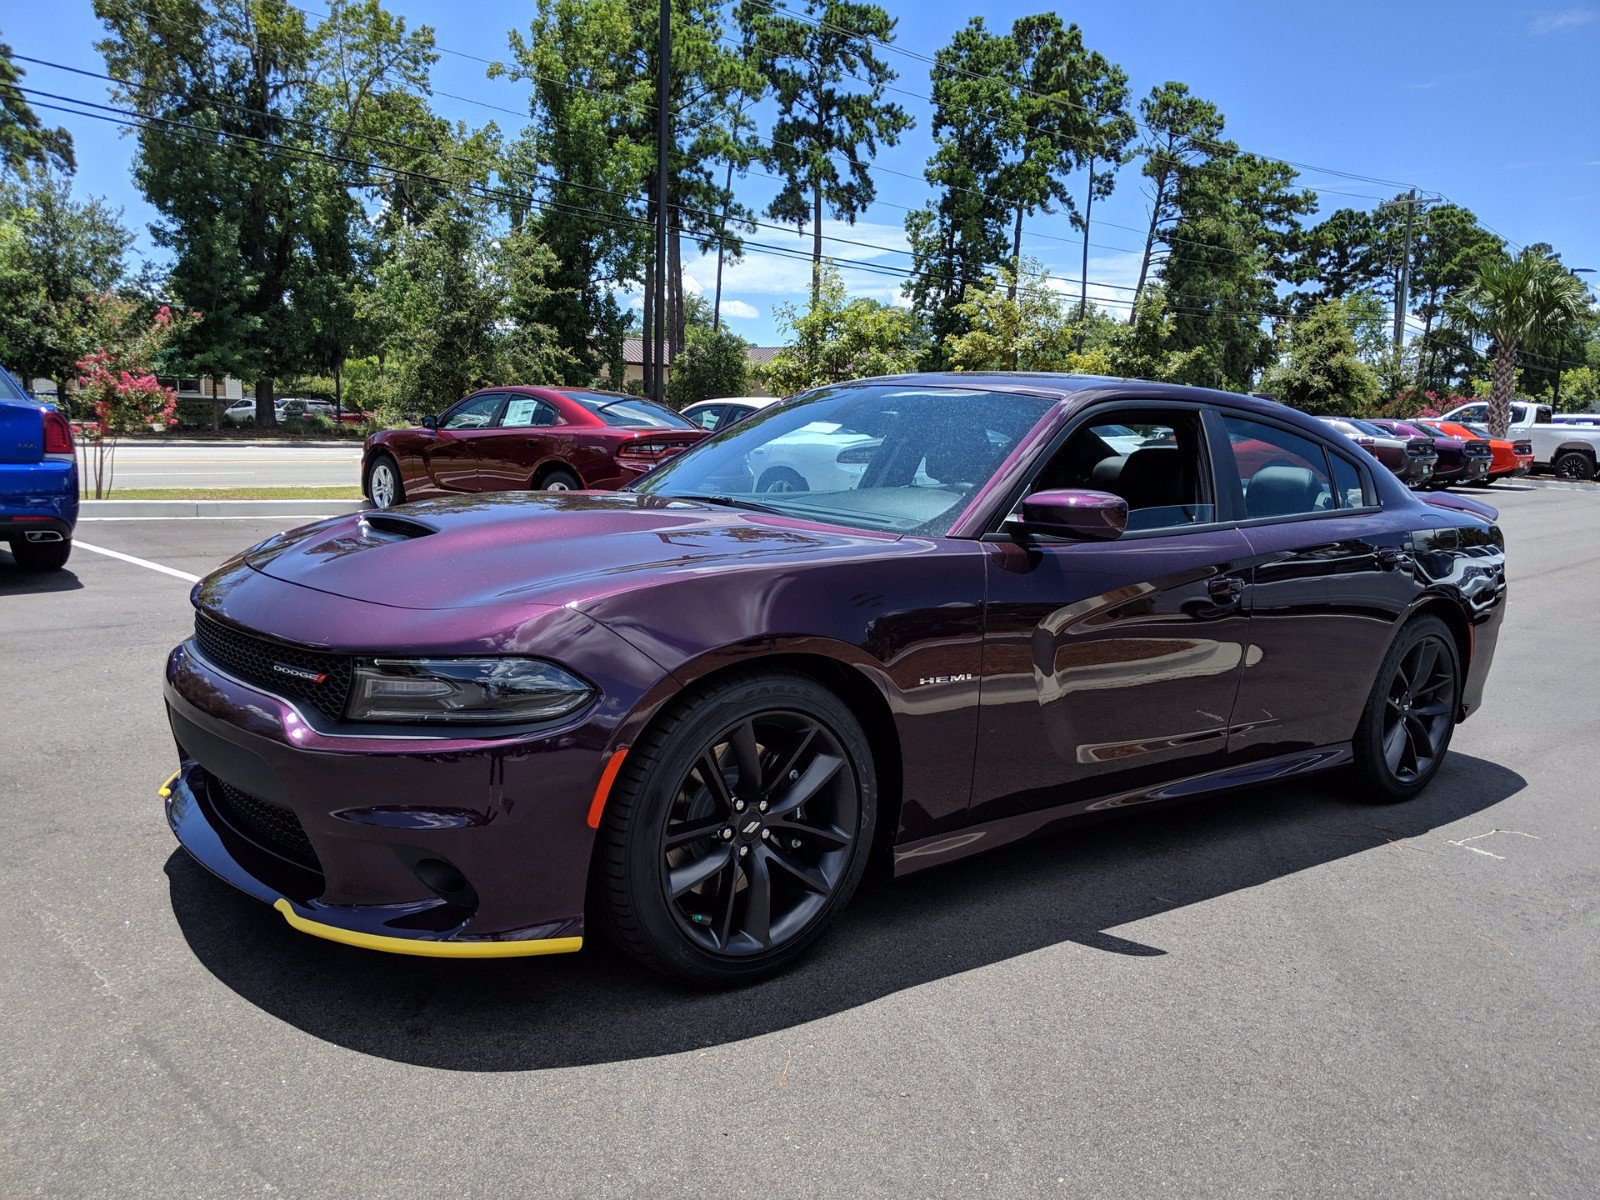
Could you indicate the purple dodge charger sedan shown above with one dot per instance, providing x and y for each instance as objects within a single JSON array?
[{"x": 473, "y": 726}]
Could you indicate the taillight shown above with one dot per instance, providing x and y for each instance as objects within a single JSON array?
[
  {"x": 856, "y": 456},
  {"x": 57, "y": 435},
  {"x": 653, "y": 449},
  {"x": 1522, "y": 447}
]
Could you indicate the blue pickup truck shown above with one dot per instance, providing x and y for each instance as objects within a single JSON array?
[{"x": 38, "y": 479}]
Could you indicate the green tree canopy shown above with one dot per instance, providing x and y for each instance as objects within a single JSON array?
[
  {"x": 24, "y": 140},
  {"x": 712, "y": 364},
  {"x": 838, "y": 339},
  {"x": 1320, "y": 371}
]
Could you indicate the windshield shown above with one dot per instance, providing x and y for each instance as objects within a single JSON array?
[
  {"x": 891, "y": 457},
  {"x": 629, "y": 410}
]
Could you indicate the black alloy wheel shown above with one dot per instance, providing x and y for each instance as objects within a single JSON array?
[
  {"x": 1411, "y": 714},
  {"x": 1574, "y": 464},
  {"x": 738, "y": 829},
  {"x": 759, "y": 833}
]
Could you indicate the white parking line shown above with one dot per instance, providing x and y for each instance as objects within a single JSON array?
[{"x": 138, "y": 562}]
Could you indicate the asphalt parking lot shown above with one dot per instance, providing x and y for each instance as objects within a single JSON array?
[{"x": 1283, "y": 992}]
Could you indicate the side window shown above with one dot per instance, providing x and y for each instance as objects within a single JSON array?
[
  {"x": 709, "y": 418},
  {"x": 1154, "y": 459},
  {"x": 1283, "y": 473},
  {"x": 475, "y": 412},
  {"x": 1347, "y": 482},
  {"x": 1474, "y": 412},
  {"x": 525, "y": 411}
]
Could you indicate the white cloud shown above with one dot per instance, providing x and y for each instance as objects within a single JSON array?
[
  {"x": 740, "y": 311},
  {"x": 1567, "y": 18}
]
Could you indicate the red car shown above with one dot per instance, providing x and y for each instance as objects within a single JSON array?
[{"x": 524, "y": 438}]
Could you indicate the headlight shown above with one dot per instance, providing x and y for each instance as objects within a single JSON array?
[{"x": 464, "y": 690}]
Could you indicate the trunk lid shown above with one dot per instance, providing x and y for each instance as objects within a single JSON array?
[{"x": 21, "y": 432}]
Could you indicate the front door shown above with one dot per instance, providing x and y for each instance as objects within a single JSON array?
[
  {"x": 450, "y": 454},
  {"x": 1109, "y": 667}
]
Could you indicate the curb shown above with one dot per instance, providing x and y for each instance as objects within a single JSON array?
[{"x": 218, "y": 508}]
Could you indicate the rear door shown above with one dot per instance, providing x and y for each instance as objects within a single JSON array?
[
  {"x": 1331, "y": 572},
  {"x": 510, "y": 452},
  {"x": 1112, "y": 666}
]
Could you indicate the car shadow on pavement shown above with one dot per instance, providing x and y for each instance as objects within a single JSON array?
[
  {"x": 599, "y": 1006},
  {"x": 14, "y": 581}
]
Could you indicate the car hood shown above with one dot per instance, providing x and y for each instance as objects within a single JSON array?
[{"x": 570, "y": 548}]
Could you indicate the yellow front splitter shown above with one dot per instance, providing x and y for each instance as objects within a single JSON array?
[{"x": 427, "y": 949}]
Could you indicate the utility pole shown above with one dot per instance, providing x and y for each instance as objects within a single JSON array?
[
  {"x": 658, "y": 342},
  {"x": 1404, "y": 279}
]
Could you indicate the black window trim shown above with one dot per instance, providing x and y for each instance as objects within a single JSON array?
[
  {"x": 508, "y": 397},
  {"x": 1218, "y": 453},
  {"x": 1369, "y": 491},
  {"x": 1079, "y": 420},
  {"x": 494, "y": 417}
]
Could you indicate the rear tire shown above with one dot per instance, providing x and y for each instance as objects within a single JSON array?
[
  {"x": 737, "y": 831},
  {"x": 782, "y": 479},
  {"x": 41, "y": 556},
  {"x": 559, "y": 480},
  {"x": 1573, "y": 464},
  {"x": 1406, "y": 727}
]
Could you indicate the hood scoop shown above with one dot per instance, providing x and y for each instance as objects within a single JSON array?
[{"x": 391, "y": 527}]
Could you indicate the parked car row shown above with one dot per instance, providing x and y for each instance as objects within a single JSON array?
[{"x": 243, "y": 412}]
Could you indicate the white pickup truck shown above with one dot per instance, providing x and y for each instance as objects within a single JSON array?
[{"x": 1571, "y": 451}]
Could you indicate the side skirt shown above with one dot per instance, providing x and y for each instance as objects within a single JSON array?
[{"x": 948, "y": 847}]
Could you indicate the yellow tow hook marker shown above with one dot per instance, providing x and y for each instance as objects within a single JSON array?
[{"x": 165, "y": 791}]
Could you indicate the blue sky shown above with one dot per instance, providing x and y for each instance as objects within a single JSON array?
[{"x": 1491, "y": 104}]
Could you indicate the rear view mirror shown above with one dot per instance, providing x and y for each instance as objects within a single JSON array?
[{"x": 1085, "y": 515}]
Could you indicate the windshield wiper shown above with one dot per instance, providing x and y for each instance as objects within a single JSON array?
[{"x": 735, "y": 502}]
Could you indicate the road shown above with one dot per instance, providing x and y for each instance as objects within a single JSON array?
[
  {"x": 149, "y": 463},
  {"x": 1284, "y": 992}
]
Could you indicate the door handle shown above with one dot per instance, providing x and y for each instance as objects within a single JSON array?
[
  {"x": 1225, "y": 589},
  {"x": 1391, "y": 558}
]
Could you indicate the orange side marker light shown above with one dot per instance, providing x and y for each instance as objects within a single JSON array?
[{"x": 607, "y": 778}]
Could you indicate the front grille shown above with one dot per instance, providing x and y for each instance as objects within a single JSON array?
[
  {"x": 273, "y": 828},
  {"x": 257, "y": 660}
]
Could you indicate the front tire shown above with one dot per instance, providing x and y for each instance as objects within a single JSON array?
[
  {"x": 1406, "y": 727},
  {"x": 41, "y": 556},
  {"x": 383, "y": 482},
  {"x": 738, "y": 830}
]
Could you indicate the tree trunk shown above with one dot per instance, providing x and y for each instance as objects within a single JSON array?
[
  {"x": 216, "y": 408},
  {"x": 266, "y": 414},
  {"x": 1501, "y": 375},
  {"x": 648, "y": 357},
  {"x": 1016, "y": 255},
  {"x": 1083, "y": 280},
  {"x": 678, "y": 328},
  {"x": 722, "y": 244},
  {"x": 816, "y": 242},
  {"x": 338, "y": 392},
  {"x": 1149, "y": 246}
]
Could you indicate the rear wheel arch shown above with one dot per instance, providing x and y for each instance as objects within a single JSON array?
[
  {"x": 550, "y": 467},
  {"x": 1455, "y": 618}
]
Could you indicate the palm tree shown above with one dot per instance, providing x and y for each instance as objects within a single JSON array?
[{"x": 1512, "y": 301}]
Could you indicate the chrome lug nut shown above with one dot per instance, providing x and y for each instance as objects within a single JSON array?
[
  {"x": 727, "y": 834},
  {"x": 743, "y": 850},
  {"x": 738, "y": 806},
  {"x": 762, "y": 806}
]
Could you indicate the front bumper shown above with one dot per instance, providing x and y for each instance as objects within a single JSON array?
[{"x": 409, "y": 844}]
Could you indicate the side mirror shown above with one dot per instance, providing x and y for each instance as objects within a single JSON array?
[
  {"x": 428, "y": 422},
  {"x": 1084, "y": 515}
]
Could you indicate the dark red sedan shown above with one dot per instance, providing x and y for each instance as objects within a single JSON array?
[{"x": 524, "y": 438}]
